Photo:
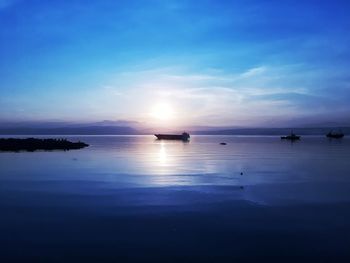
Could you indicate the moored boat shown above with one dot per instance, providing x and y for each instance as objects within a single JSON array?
[
  {"x": 183, "y": 137},
  {"x": 291, "y": 137},
  {"x": 335, "y": 135}
]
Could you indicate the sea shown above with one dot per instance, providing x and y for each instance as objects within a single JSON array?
[{"x": 138, "y": 199}]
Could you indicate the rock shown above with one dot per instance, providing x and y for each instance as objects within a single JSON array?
[{"x": 34, "y": 144}]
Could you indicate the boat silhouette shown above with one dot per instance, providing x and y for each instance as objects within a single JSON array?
[
  {"x": 335, "y": 135},
  {"x": 183, "y": 137},
  {"x": 291, "y": 137}
]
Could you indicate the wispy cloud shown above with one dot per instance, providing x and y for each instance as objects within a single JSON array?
[
  {"x": 215, "y": 97},
  {"x": 223, "y": 62},
  {"x": 222, "y": 97}
]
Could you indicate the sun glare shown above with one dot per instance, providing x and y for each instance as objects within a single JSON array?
[{"x": 162, "y": 111}]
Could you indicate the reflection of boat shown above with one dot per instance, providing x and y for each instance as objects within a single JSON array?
[
  {"x": 183, "y": 137},
  {"x": 336, "y": 135},
  {"x": 291, "y": 137}
]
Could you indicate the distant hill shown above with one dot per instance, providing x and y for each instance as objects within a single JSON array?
[
  {"x": 270, "y": 131},
  {"x": 133, "y": 128},
  {"x": 88, "y": 130}
]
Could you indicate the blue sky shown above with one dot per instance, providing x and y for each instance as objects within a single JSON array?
[{"x": 159, "y": 62}]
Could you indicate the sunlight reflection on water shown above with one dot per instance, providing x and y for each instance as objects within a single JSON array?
[{"x": 123, "y": 162}]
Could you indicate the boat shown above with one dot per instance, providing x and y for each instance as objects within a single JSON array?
[
  {"x": 335, "y": 135},
  {"x": 291, "y": 137},
  {"x": 183, "y": 137}
]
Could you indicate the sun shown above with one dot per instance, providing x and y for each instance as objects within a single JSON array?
[{"x": 162, "y": 111}]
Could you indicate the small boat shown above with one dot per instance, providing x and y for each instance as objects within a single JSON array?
[
  {"x": 183, "y": 137},
  {"x": 291, "y": 137},
  {"x": 335, "y": 135}
]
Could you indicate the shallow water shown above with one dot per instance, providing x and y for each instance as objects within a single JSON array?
[{"x": 145, "y": 179}]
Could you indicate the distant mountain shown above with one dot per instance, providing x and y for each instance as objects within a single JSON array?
[
  {"x": 88, "y": 130},
  {"x": 270, "y": 131},
  {"x": 65, "y": 124},
  {"x": 122, "y": 127},
  {"x": 108, "y": 123},
  {"x": 106, "y": 127}
]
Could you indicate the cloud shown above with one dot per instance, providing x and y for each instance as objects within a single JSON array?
[
  {"x": 195, "y": 96},
  {"x": 252, "y": 97},
  {"x": 220, "y": 97},
  {"x": 254, "y": 72}
]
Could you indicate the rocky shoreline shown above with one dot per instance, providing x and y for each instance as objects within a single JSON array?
[{"x": 34, "y": 144}]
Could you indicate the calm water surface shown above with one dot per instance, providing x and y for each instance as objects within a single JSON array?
[
  {"x": 314, "y": 169},
  {"x": 99, "y": 199}
]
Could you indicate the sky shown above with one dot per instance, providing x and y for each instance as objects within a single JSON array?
[{"x": 176, "y": 63}]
